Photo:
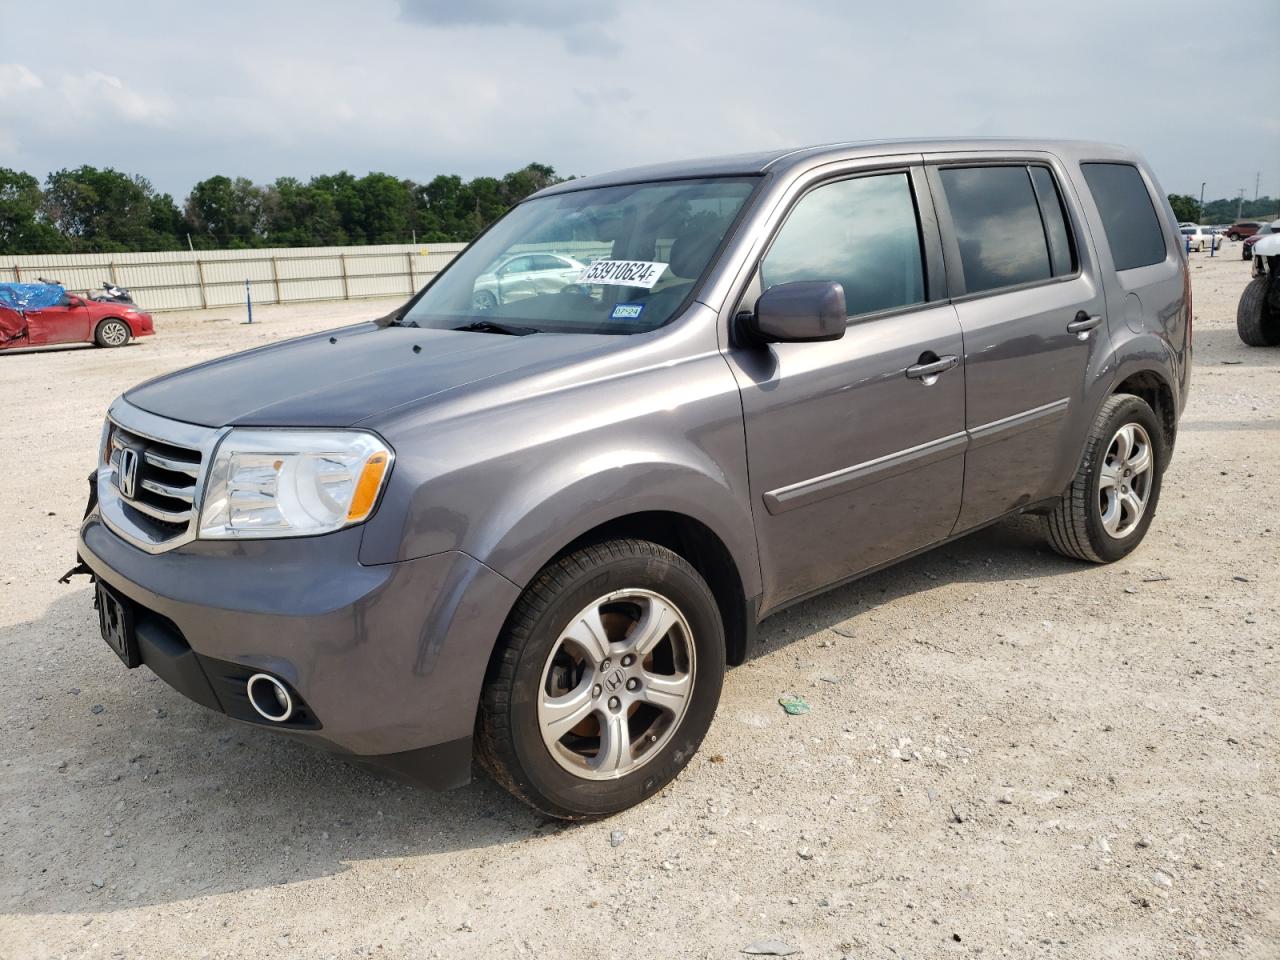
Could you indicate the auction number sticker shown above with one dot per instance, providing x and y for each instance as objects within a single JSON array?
[{"x": 623, "y": 273}]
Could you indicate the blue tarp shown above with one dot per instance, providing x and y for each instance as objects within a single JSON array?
[{"x": 30, "y": 296}]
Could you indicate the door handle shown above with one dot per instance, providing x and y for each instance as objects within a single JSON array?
[
  {"x": 1083, "y": 323},
  {"x": 926, "y": 371}
]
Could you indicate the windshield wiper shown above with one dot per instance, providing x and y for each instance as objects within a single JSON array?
[{"x": 492, "y": 326}]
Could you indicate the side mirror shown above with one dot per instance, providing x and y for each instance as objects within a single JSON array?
[{"x": 804, "y": 311}]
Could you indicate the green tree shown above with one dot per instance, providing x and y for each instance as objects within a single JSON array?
[
  {"x": 23, "y": 229},
  {"x": 221, "y": 212},
  {"x": 104, "y": 210},
  {"x": 1184, "y": 208},
  {"x": 386, "y": 208}
]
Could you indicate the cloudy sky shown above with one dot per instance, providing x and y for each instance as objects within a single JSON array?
[{"x": 269, "y": 88}]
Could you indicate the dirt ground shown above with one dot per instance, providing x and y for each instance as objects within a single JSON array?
[{"x": 1009, "y": 754}]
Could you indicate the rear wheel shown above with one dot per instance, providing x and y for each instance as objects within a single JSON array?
[
  {"x": 604, "y": 682},
  {"x": 1107, "y": 509},
  {"x": 1257, "y": 322},
  {"x": 111, "y": 333}
]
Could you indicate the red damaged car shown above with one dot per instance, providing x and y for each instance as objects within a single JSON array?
[{"x": 42, "y": 314}]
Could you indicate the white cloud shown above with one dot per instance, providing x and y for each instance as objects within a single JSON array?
[
  {"x": 93, "y": 93},
  {"x": 15, "y": 80},
  {"x": 422, "y": 87}
]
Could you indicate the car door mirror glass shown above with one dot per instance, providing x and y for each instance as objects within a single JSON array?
[{"x": 803, "y": 311}]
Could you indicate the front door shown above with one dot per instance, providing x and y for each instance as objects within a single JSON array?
[
  {"x": 68, "y": 322},
  {"x": 1032, "y": 313},
  {"x": 855, "y": 455}
]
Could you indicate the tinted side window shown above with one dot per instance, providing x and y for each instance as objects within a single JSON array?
[
  {"x": 1061, "y": 252},
  {"x": 862, "y": 233},
  {"x": 997, "y": 225},
  {"x": 1128, "y": 216}
]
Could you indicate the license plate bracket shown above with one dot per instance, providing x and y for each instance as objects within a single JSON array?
[{"x": 116, "y": 620}]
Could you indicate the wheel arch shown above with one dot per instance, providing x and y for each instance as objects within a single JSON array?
[
  {"x": 98, "y": 324},
  {"x": 703, "y": 549},
  {"x": 1154, "y": 388}
]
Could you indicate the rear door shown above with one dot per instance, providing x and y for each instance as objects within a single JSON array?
[
  {"x": 1032, "y": 314},
  {"x": 853, "y": 461}
]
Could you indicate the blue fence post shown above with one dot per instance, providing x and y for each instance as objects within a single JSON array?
[{"x": 248, "y": 300}]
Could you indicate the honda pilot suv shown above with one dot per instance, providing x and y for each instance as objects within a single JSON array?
[{"x": 532, "y": 529}]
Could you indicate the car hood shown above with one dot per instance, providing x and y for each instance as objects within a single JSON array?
[{"x": 340, "y": 377}]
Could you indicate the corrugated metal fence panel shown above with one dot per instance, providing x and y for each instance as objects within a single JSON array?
[{"x": 177, "y": 280}]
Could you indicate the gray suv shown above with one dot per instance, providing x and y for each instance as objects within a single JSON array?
[{"x": 534, "y": 530}]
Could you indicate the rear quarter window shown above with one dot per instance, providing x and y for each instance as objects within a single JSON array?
[{"x": 1128, "y": 216}]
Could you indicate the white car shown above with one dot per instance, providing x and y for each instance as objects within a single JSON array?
[
  {"x": 524, "y": 275},
  {"x": 1200, "y": 238}
]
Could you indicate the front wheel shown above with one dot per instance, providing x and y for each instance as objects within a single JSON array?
[
  {"x": 111, "y": 333},
  {"x": 605, "y": 680},
  {"x": 1107, "y": 509}
]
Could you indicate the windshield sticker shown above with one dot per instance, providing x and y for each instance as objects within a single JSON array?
[
  {"x": 627, "y": 311},
  {"x": 623, "y": 273}
]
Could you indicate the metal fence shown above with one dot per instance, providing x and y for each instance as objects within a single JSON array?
[{"x": 186, "y": 281}]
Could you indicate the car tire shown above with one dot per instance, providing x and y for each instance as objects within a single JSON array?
[
  {"x": 1256, "y": 322},
  {"x": 483, "y": 301},
  {"x": 554, "y": 715},
  {"x": 112, "y": 333},
  {"x": 1106, "y": 512}
]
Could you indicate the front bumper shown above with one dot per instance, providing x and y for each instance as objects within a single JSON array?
[{"x": 388, "y": 659}]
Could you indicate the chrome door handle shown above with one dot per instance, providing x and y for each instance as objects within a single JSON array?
[
  {"x": 1083, "y": 323},
  {"x": 927, "y": 371}
]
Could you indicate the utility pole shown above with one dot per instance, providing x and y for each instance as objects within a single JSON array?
[
  {"x": 1257, "y": 181},
  {"x": 1240, "y": 203},
  {"x": 1200, "y": 215}
]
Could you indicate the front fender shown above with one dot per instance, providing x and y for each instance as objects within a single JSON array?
[
  {"x": 511, "y": 478},
  {"x": 527, "y": 529}
]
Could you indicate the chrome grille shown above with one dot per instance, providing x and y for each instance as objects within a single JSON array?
[{"x": 156, "y": 481}]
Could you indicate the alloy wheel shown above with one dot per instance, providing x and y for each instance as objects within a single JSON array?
[
  {"x": 1124, "y": 480},
  {"x": 616, "y": 684},
  {"x": 114, "y": 333}
]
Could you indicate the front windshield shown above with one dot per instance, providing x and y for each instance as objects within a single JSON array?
[{"x": 605, "y": 260}]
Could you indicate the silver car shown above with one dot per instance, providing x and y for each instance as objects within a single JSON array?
[
  {"x": 522, "y": 276},
  {"x": 534, "y": 531}
]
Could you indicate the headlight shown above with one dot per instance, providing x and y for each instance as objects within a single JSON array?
[{"x": 292, "y": 483}]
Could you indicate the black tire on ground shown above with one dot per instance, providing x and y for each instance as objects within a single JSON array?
[
  {"x": 1074, "y": 526},
  {"x": 112, "y": 333},
  {"x": 1257, "y": 324},
  {"x": 509, "y": 741}
]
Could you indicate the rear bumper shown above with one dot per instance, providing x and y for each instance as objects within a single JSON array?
[{"x": 388, "y": 660}]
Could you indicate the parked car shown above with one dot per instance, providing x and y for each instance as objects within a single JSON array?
[
  {"x": 525, "y": 275},
  {"x": 536, "y": 533},
  {"x": 1199, "y": 238},
  {"x": 39, "y": 315},
  {"x": 1238, "y": 231},
  {"x": 1266, "y": 229},
  {"x": 1258, "y": 313}
]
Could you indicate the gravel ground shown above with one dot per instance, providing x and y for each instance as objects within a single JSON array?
[{"x": 1008, "y": 753}]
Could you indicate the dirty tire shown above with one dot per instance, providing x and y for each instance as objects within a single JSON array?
[
  {"x": 1257, "y": 325},
  {"x": 111, "y": 333},
  {"x": 1074, "y": 526},
  {"x": 509, "y": 742}
]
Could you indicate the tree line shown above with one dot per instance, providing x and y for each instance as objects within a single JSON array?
[
  {"x": 1187, "y": 209},
  {"x": 91, "y": 210}
]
